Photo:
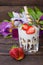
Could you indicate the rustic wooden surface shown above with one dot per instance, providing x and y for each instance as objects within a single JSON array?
[
  {"x": 5, "y": 44},
  {"x": 5, "y": 9},
  {"x": 31, "y": 59},
  {"x": 21, "y": 2}
]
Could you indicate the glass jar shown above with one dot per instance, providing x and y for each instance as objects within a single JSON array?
[{"x": 29, "y": 42}]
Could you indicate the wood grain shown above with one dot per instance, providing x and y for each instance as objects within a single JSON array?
[
  {"x": 21, "y": 2},
  {"x": 28, "y": 60},
  {"x": 5, "y": 9},
  {"x": 11, "y": 40},
  {"x": 6, "y": 44}
]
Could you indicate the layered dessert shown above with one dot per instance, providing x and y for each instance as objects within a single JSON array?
[{"x": 29, "y": 37}]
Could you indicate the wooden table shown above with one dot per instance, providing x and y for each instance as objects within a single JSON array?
[{"x": 31, "y": 59}]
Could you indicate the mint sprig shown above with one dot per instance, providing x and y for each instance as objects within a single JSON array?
[
  {"x": 10, "y": 14},
  {"x": 38, "y": 12},
  {"x": 21, "y": 10},
  {"x": 7, "y": 20},
  {"x": 32, "y": 13},
  {"x": 41, "y": 22}
]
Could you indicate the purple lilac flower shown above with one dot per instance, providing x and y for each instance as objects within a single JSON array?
[{"x": 4, "y": 29}]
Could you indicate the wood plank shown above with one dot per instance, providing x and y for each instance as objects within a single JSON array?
[
  {"x": 6, "y": 44},
  {"x": 5, "y": 9},
  {"x": 21, "y": 2},
  {"x": 28, "y": 60},
  {"x": 11, "y": 41},
  {"x": 4, "y": 48}
]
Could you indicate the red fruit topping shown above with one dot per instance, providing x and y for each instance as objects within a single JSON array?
[
  {"x": 14, "y": 53},
  {"x": 30, "y": 30},
  {"x": 17, "y": 53},
  {"x": 21, "y": 53},
  {"x": 25, "y": 26}
]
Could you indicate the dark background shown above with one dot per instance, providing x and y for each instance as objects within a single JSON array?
[{"x": 15, "y": 5}]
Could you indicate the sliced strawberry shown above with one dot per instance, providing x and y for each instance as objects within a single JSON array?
[
  {"x": 14, "y": 53},
  {"x": 25, "y": 26},
  {"x": 30, "y": 30}
]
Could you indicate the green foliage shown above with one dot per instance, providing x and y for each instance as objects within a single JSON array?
[
  {"x": 10, "y": 14},
  {"x": 38, "y": 12},
  {"x": 14, "y": 46},
  {"x": 7, "y": 20},
  {"x": 32, "y": 13},
  {"x": 9, "y": 36},
  {"x": 21, "y": 10},
  {"x": 41, "y": 22}
]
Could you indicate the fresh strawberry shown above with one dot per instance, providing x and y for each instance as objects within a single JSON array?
[
  {"x": 17, "y": 53},
  {"x": 30, "y": 30},
  {"x": 25, "y": 26},
  {"x": 21, "y": 53},
  {"x": 14, "y": 53}
]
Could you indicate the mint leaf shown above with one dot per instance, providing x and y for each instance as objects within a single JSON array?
[
  {"x": 32, "y": 13},
  {"x": 41, "y": 28},
  {"x": 21, "y": 10},
  {"x": 30, "y": 24},
  {"x": 38, "y": 12},
  {"x": 7, "y": 20},
  {"x": 10, "y": 14},
  {"x": 41, "y": 22}
]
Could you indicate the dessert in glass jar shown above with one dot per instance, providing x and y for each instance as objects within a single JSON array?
[{"x": 29, "y": 38}]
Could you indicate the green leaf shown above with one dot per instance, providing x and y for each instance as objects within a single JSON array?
[
  {"x": 10, "y": 14},
  {"x": 32, "y": 13},
  {"x": 7, "y": 20},
  {"x": 37, "y": 9},
  {"x": 14, "y": 46},
  {"x": 9, "y": 36},
  {"x": 41, "y": 28},
  {"x": 30, "y": 24},
  {"x": 38, "y": 12},
  {"x": 41, "y": 22},
  {"x": 21, "y": 10}
]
